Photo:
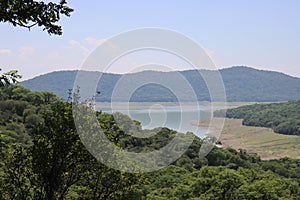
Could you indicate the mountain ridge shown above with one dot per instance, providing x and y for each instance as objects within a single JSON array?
[{"x": 241, "y": 84}]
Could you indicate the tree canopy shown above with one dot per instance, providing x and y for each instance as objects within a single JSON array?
[
  {"x": 283, "y": 117},
  {"x": 42, "y": 157},
  {"x": 30, "y": 13}
]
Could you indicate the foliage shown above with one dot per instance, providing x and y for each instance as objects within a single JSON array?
[
  {"x": 10, "y": 77},
  {"x": 30, "y": 13},
  {"x": 220, "y": 183},
  {"x": 16, "y": 174},
  {"x": 283, "y": 117},
  {"x": 52, "y": 163}
]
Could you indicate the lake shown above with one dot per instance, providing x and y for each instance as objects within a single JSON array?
[{"x": 176, "y": 116}]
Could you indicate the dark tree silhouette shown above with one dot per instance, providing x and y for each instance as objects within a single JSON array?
[
  {"x": 10, "y": 77},
  {"x": 30, "y": 13}
]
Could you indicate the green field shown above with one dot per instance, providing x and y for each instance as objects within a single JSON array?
[{"x": 263, "y": 141}]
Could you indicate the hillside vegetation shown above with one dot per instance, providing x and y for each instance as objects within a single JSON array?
[
  {"x": 42, "y": 157},
  {"x": 283, "y": 118},
  {"x": 242, "y": 84},
  {"x": 259, "y": 140}
]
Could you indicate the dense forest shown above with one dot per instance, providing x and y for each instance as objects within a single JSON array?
[
  {"x": 242, "y": 84},
  {"x": 42, "y": 157},
  {"x": 283, "y": 117}
]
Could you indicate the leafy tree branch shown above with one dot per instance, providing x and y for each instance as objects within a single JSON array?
[{"x": 30, "y": 13}]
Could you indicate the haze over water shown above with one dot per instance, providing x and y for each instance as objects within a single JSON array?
[{"x": 175, "y": 117}]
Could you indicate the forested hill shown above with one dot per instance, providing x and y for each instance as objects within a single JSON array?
[
  {"x": 241, "y": 84},
  {"x": 283, "y": 117}
]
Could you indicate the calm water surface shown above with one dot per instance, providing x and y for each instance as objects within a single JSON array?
[{"x": 174, "y": 117}]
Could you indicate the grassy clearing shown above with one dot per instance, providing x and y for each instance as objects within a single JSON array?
[{"x": 263, "y": 141}]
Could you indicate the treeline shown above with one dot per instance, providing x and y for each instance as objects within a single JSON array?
[
  {"x": 283, "y": 118},
  {"x": 42, "y": 157}
]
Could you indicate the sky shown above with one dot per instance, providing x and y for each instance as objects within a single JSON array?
[{"x": 260, "y": 34}]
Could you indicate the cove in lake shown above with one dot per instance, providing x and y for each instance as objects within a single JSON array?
[{"x": 176, "y": 117}]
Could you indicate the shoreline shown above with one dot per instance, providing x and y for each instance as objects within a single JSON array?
[
  {"x": 146, "y": 105},
  {"x": 255, "y": 140}
]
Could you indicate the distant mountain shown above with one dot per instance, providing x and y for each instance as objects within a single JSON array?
[{"x": 241, "y": 84}]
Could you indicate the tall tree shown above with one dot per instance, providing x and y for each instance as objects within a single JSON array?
[
  {"x": 59, "y": 159},
  {"x": 62, "y": 163}
]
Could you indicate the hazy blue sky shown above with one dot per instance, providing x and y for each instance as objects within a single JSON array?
[{"x": 261, "y": 34}]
